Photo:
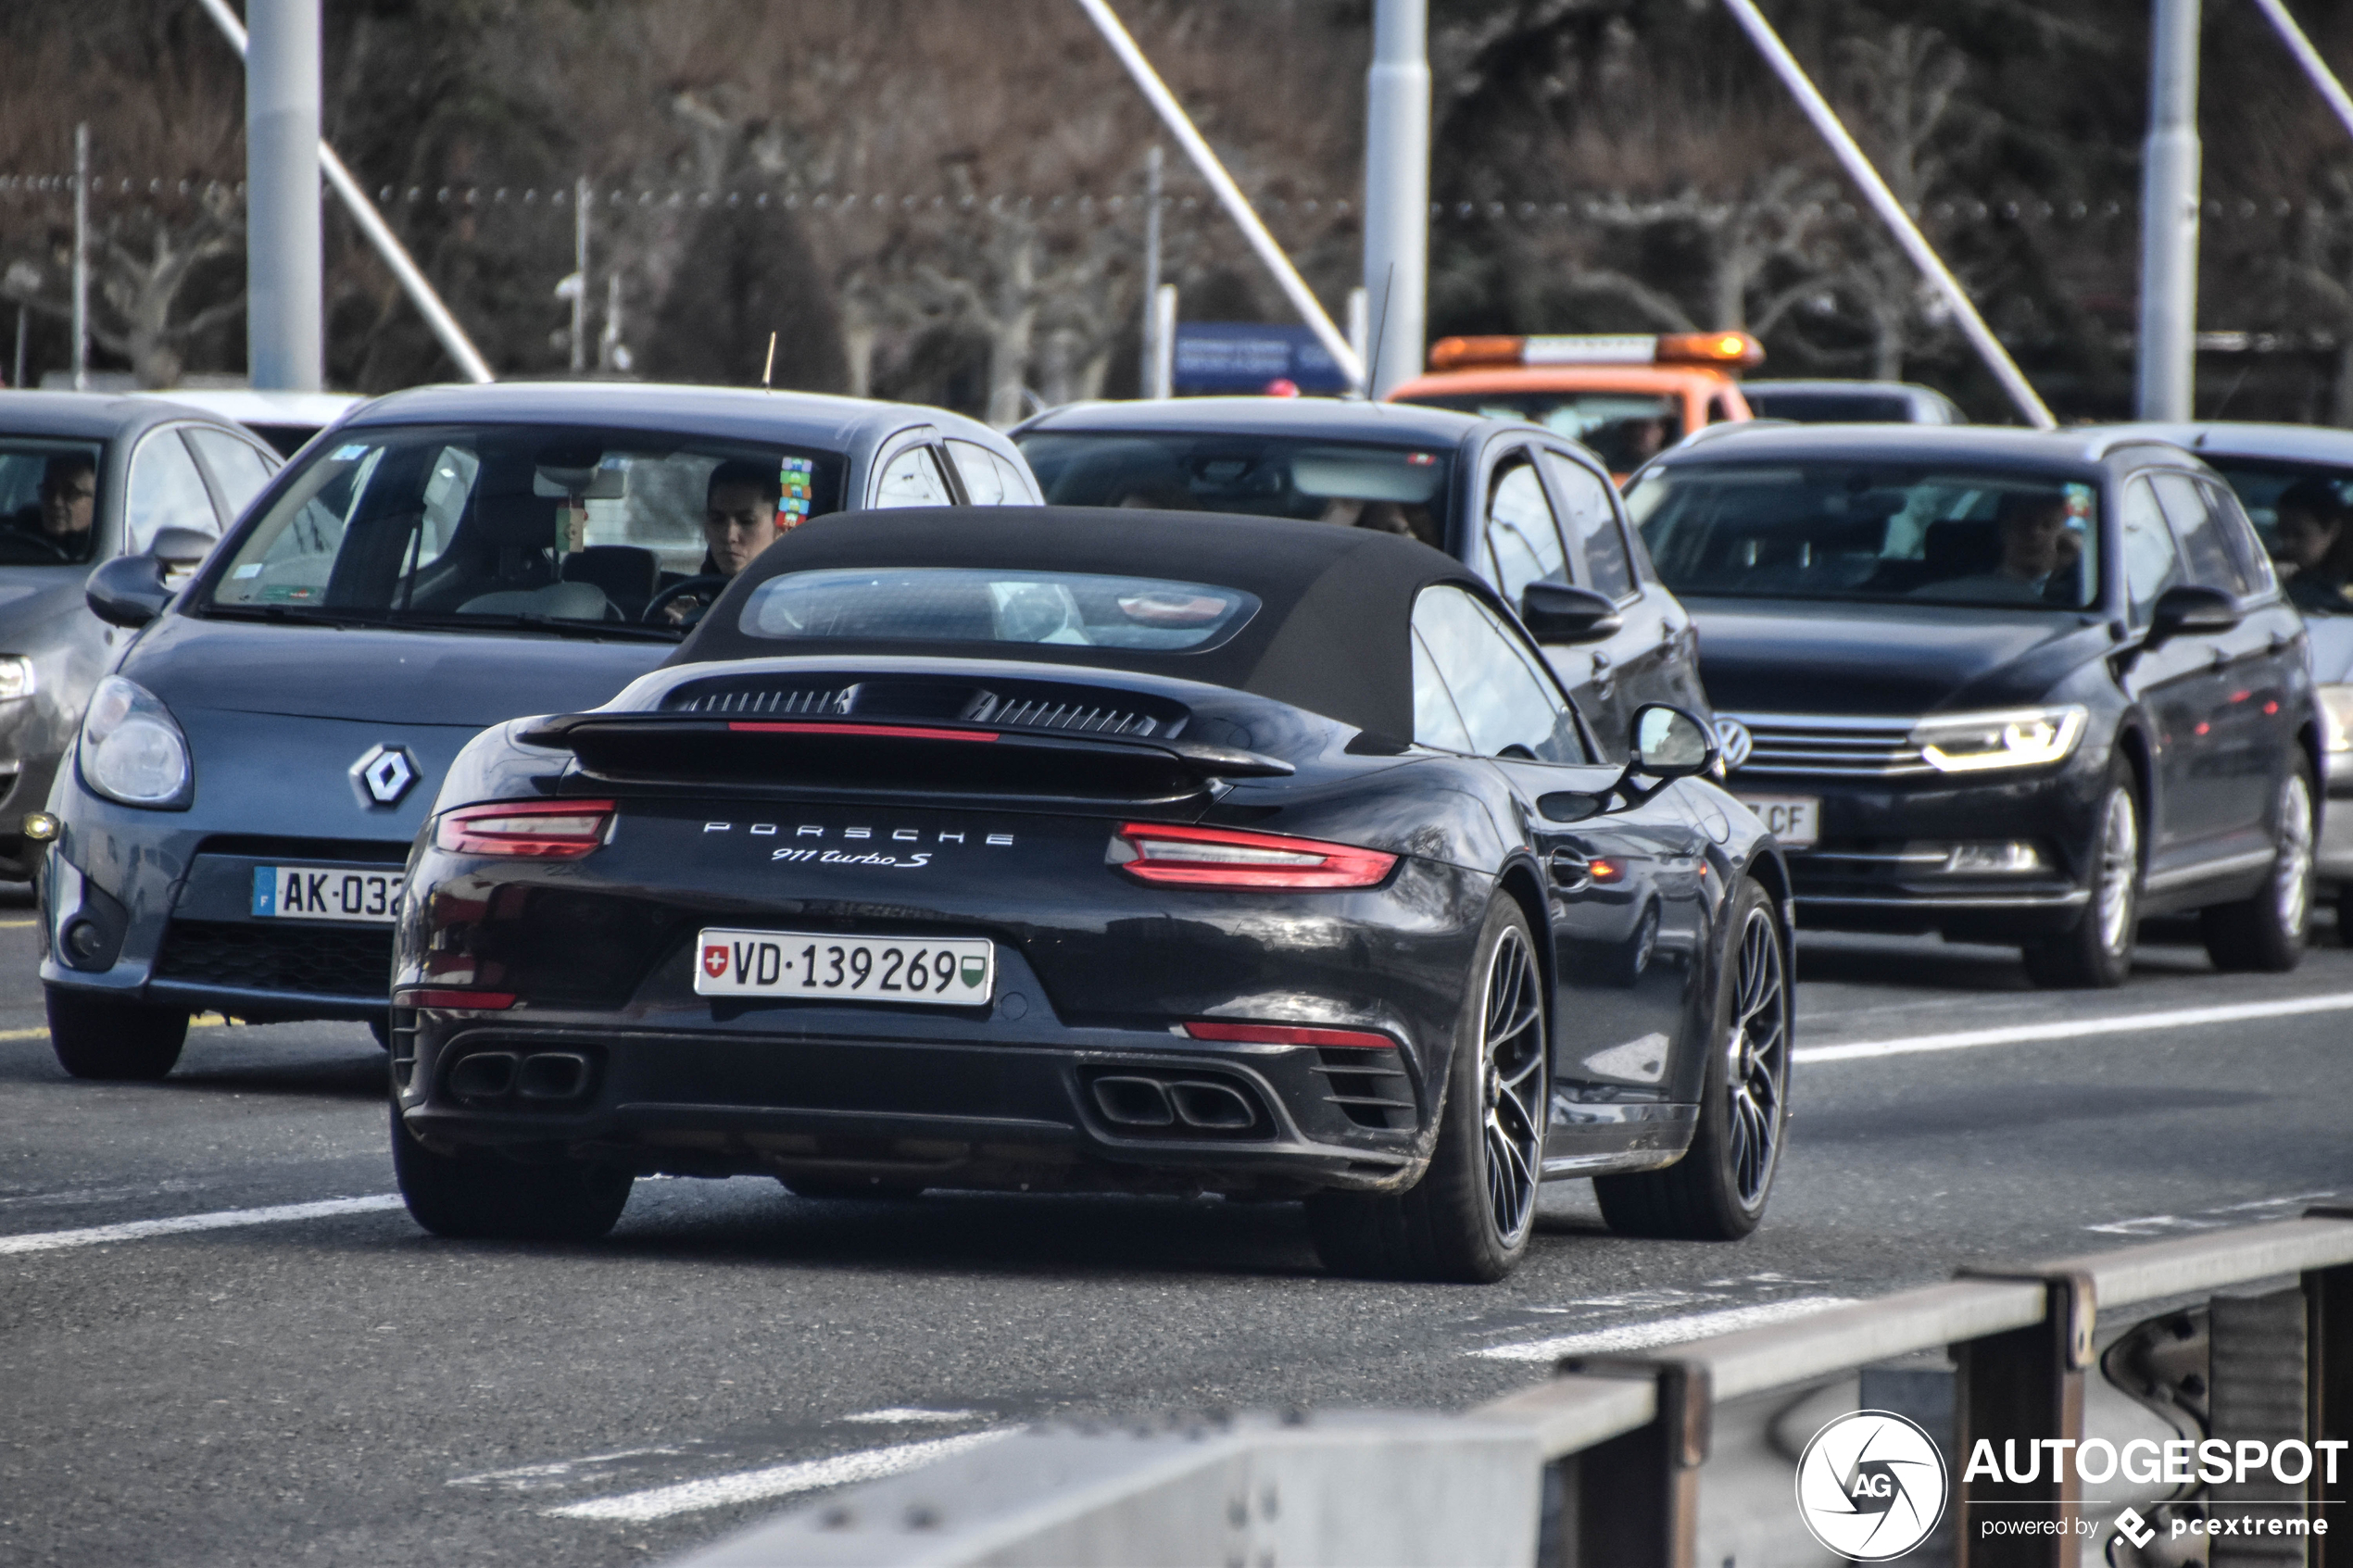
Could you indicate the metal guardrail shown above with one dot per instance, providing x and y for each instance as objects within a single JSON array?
[{"x": 1607, "y": 1464}]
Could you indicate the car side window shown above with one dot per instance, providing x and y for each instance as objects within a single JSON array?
[
  {"x": 165, "y": 491},
  {"x": 239, "y": 470},
  {"x": 1436, "y": 719},
  {"x": 1522, "y": 542},
  {"x": 2238, "y": 531},
  {"x": 1507, "y": 706},
  {"x": 912, "y": 478},
  {"x": 983, "y": 482},
  {"x": 2203, "y": 547},
  {"x": 1593, "y": 523},
  {"x": 1019, "y": 489},
  {"x": 2152, "y": 564}
]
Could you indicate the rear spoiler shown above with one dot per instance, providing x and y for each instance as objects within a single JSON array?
[{"x": 870, "y": 754}]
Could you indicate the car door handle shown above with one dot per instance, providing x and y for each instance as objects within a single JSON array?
[{"x": 1571, "y": 871}]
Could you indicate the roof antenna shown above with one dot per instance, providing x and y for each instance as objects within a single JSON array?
[
  {"x": 768, "y": 371},
  {"x": 1380, "y": 330}
]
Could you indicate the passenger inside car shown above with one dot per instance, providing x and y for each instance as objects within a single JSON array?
[
  {"x": 2035, "y": 563},
  {"x": 56, "y": 524},
  {"x": 2312, "y": 542}
]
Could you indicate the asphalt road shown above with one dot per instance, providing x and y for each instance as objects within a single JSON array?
[{"x": 339, "y": 1387}]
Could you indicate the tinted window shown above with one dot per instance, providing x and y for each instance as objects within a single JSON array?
[
  {"x": 983, "y": 481},
  {"x": 48, "y": 501},
  {"x": 1832, "y": 407},
  {"x": 422, "y": 524},
  {"x": 2152, "y": 564},
  {"x": 1394, "y": 489},
  {"x": 239, "y": 469},
  {"x": 1592, "y": 522},
  {"x": 912, "y": 479},
  {"x": 1871, "y": 533},
  {"x": 1521, "y": 542},
  {"x": 971, "y": 605},
  {"x": 1507, "y": 706},
  {"x": 2238, "y": 531},
  {"x": 2203, "y": 547},
  {"x": 166, "y": 491}
]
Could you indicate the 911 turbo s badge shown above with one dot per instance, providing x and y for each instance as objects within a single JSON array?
[{"x": 799, "y": 851}]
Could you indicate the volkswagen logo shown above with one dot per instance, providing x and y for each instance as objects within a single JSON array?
[
  {"x": 385, "y": 774},
  {"x": 1733, "y": 742},
  {"x": 1870, "y": 1487}
]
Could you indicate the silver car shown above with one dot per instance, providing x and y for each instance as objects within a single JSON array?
[{"x": 84, "y": 480}]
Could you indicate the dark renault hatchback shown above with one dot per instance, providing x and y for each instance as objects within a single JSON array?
[{"x": 2009, "y": 687}]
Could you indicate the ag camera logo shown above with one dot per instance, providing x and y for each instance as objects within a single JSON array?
[{"x": 1871, "y": 1485}]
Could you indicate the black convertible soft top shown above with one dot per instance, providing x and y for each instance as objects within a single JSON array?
[{"x": 1330, "y": 637}]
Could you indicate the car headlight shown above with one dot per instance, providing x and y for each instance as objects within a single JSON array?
[
  {"x": 1973, "y": 743},
  {"x": 15, "y": 676},
  {"x": 131, "y": 748},
  {"x": 2336, "y": 717}
]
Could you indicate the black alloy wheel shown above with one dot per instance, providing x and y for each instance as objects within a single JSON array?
[
  {"x": 102, "y": 1037},
  {"x": 2266, "y": 931},
  {"x": 1718, "y": 1191},
  {"x": 485, "y": 1197},
  {"x": 2096, "y": 952},
  {"x": 1470, "y": 1216}
]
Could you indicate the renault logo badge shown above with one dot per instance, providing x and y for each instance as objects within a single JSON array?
[{"x": 386, "y": 773}]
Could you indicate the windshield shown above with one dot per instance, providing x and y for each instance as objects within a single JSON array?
[
  {"x": 48, "y": 499},
  {"x": 508, "y": 525},
  {"x": 2304, "y": 512},
  {"x": 1871, "y": 533},
  {"x": 1394, "y": 489},
  {"x": 941, "y": 604},
  {"x": 1624, "y": 429}
]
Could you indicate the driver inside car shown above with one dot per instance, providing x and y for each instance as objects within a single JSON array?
[
  {"x": 69, "y": 499},
  {"x": 741, "y": 517}
]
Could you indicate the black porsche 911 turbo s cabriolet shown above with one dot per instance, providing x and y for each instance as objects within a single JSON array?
[{"x": 1042, "y": 849}]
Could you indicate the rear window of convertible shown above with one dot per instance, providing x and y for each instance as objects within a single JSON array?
[{"x": 966, "y": 604}]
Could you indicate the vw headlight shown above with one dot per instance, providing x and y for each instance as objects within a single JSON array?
[
  {"x": 1976, "y": 742},
  {"x": 131, "y": 748},
  {"x": 15, "y": 676},
  {"x": 2336, "y": 717}
]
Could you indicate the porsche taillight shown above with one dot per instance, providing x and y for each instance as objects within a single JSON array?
[
  {"x": 1288, "y": 1035},
  {"x": 536, "y": 830},
  {"x": 1198, "y": 857}
]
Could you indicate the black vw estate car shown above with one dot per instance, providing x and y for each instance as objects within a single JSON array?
[{"x": 2011, "y": 686}]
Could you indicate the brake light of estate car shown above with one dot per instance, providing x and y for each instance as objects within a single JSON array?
[
  {"x": 1198, "y": 857},
  {"x": 1976, "y": 742},
  {"x": 1288, "y": 1035},
  {"x": 1729, "y": 350},
  {"x": 539, "y": 829},
  {"x": 476, "y": 1001}
]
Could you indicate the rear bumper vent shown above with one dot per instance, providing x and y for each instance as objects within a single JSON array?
[
  {"x": 1368, "y": 1086},
  {"x": 1172, "y": 1103}
]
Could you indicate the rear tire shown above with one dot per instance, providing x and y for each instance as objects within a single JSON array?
[
  {"x": 1470, "y": 1216},
  {"x": 98, "y": 1036},
  {"x": 2267, "y": 932},
  {"x": 2096, "y": 952},
  {"x": 485, "y": 1197},
  {"x": 1718, "y": 1191}
]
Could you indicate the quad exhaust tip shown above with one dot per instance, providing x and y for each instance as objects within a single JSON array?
[
  {"x": 541, "y": 1075},
  {"x": 1135, "y": 1101}
]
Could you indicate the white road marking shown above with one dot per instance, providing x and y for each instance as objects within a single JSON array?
[
  {"x": 2206, "y": 1219},
  {"x": 1662, "y": 1331},
  {"x": 226, "y": 1219},
  {"x": 534, "y": 1477},
  {"x": 2077, "y": 1028},
  {"x": 907, "y": 1414},
  {"x": 776, "y": 1481}
]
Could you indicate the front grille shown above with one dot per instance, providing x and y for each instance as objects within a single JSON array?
[
  {"x": 325, "y": 960},
  {"x": 1819, "y": 746},
  {"x": 765, "y": 701}
]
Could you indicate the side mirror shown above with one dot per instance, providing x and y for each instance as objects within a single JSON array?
[
  {"x": 128, "y": 591},
  {"x": 2189, "y": 609},
  {"x": 182, "y": 546},
  {"x": 1557, "y": 613},
  {"x": 1670, "y": 743}
]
